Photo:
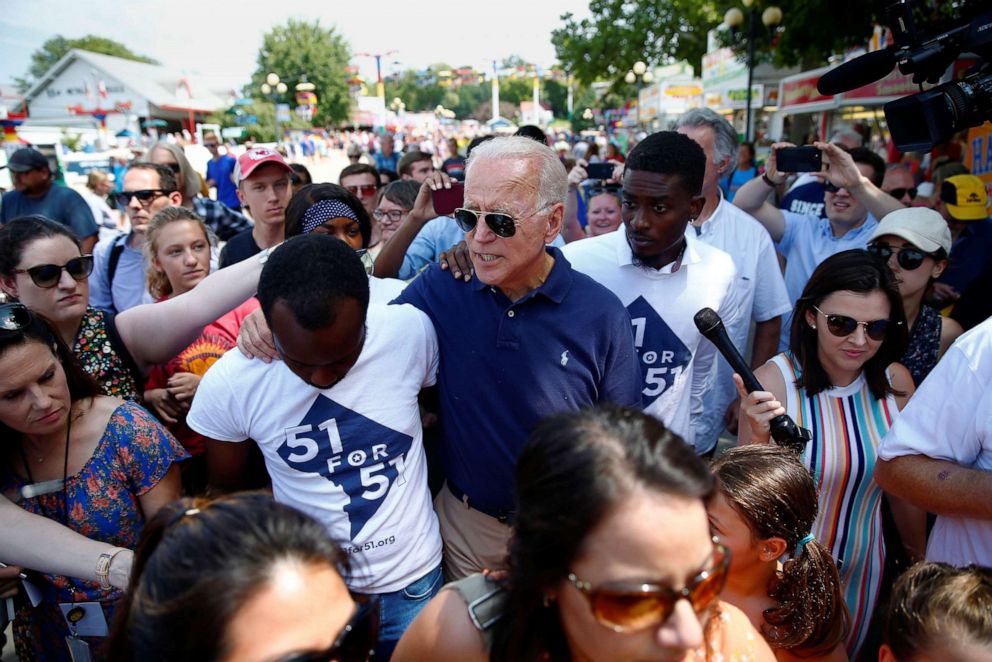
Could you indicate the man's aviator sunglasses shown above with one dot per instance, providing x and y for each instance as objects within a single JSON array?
[
  {"x": 502, "y": 225},
  {"x": 48, "y": 275},
  {"x": 632, "y": 606}
]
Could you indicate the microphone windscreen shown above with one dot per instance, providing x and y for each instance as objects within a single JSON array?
[
  {"x": 858, "y": 72},
  {"x": 707, "y": 320}
]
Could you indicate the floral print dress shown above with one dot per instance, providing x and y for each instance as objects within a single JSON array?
[
  {"x": 104, "y": 357},
  {"x": 133, "y": 455}
]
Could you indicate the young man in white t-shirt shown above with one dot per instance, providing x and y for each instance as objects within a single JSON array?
[
  {"x": 664, "y": 276},
  {"x": 337, "y": 421}
]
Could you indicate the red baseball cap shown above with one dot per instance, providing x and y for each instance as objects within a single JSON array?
[{"x": 255, "y": 157}]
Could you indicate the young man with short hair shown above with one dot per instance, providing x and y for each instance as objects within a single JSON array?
[
  {"x": 416, "y": 165},
  {"x": 264, "y": 188},
  {"x": 335, "y": 445},
  {"x": 220, "y": 172}
]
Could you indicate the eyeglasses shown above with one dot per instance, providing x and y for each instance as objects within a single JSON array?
[
  {"x": 363, "y": 190},
  {"x": 907, "y": 258},
  {"x": 843, "y": 326},
  {"x": 144, "y": 196},
  {"x": 354, "y": 644},
  {"x": 898, "y": 193},
  {"x": 393, "y": 214},
  {"x": 14, "y": 316},
  {"x": 174, "y": 167},
  {"x": 830, "y": 187},
  {"x": 629, "y": 607},
  {"x": 502, "y": 225},
  {"x": 48, "y": 275},
  {"x": 210, "y": 145}
]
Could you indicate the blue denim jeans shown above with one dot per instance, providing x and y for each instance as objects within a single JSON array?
[{"x": 398, "y": 609}]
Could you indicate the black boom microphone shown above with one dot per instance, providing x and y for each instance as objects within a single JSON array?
[
  {"x": 784, "y": 430},
  {"x": 858, "y": 72}
]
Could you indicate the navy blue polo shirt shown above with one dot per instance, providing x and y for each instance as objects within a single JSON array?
[{"x": 505, "y": 365}]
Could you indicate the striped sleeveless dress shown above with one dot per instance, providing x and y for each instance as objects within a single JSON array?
[{"x": 848, "y": 425}]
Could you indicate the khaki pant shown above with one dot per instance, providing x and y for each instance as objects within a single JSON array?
[{"x": 473, "y": 541}]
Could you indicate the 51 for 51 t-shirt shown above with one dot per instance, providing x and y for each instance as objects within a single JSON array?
[{"x": 351, "y": 456}]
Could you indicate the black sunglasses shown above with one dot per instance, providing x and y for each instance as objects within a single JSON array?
[
  {"x": 898, "y": 193},
  {"x": 502, "y": 225},
  {"x": 14, "y": 316},
  {"x": 48, "y": 275},
  {"x": 843, "y": 326},
  {"x": 144, "y": 196},
  {"x": 830, "y": 187},
  {"x": 907, "y": 258},
  {"x": 355, "y": 642}
]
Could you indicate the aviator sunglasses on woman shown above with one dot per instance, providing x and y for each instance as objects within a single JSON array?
[
  {"x": 842, "y": 325},
  {"x": 629, "y": 606}
]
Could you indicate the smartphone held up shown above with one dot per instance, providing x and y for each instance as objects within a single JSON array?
[{"x": 799, "y": 159}]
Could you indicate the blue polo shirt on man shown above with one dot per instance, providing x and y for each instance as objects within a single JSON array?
[
  {"x": 808, "y": 241},
  {"x": 504, "y": 366}
]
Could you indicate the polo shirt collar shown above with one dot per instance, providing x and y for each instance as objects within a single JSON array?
[
  {"x": 625, "y": 256},
  {"x": 827, "y": 231},
  {"x": 555, "y": 287}
]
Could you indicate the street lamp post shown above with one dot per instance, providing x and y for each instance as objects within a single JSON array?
[
  {"x": 639, "y": 74},
  {"x": 771, "y": 18},
  {"x": 274, "y": 88}
]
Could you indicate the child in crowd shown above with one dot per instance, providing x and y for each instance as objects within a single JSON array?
[
  {"x": 940, "y": 612},
  {"x": 764, "y": 510}
]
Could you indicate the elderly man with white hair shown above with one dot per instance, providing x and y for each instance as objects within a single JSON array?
[{"x": 527, "y": 337}]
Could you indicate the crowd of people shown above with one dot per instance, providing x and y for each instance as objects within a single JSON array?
[{"x": 456, "y": 406}]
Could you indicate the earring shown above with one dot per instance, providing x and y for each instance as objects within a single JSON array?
[
  {"x": 814, "y": 326},
  {"x": 546, "y": 600}
]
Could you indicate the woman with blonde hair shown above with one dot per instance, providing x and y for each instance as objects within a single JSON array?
[{"x": 178, "y": 246}]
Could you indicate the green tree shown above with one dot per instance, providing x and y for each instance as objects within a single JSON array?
[
  {"x": 621, "y": 32},
  {"x": 301, "y": 48},
  {"x": 813, "y": 31},
  {"x": 55, "y": 49}
]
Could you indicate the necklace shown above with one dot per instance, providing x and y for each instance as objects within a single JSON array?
[{"x": 43, "y": 488}]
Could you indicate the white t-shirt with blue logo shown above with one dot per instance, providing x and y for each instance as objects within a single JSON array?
[
  {"x": 351, "y": 456},
  {"x": 678, "y": 366}
]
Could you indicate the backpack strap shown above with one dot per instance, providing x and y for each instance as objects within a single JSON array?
[
  {"x": 113, "y": 258},
  {"x": 122, "y": 351},
  {"x": 485, "y": 600}
]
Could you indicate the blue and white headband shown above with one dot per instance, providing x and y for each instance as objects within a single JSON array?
[{"x": 324, "y": 210}]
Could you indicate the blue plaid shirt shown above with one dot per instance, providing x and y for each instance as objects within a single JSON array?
[{"x": 224, "y": 221}]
